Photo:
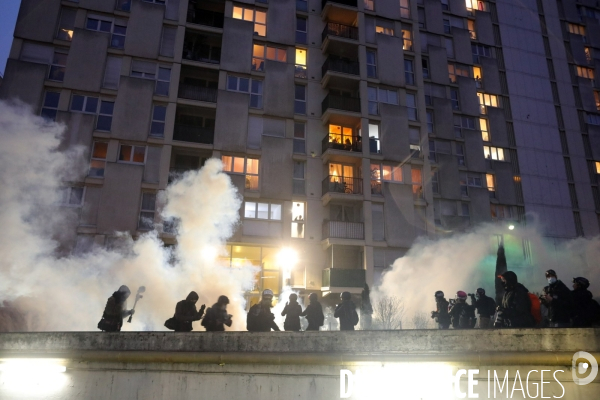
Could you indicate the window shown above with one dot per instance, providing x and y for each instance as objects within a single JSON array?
[
  {"x": 371, "y": 64},
  {"x": 369, "y": 5},
  {"x": 421, "y": 18},
  {"x": 246, "y": 85},
  {"x": 301, "y": 30},
  {"x": 385, "y": 173},
  {"x": 257, "y": 210},
  {"x": 469, "y": 180},
  {"x": 439, "y": 147},
  {"x": 299, "y": 186},
  {"x": 425, "y": 66},
  {"x": 153, "y": 71},
  {"x": 57, "y": 67},
  {"x": 454, "y": 99},
  {"x": 577, "y": 30},
  {"x": 147, "y": 209},
  {"x": 411, "y": 107},
  {"x": 72, "y": 196},
  {"x": 491, "y": 184},
  {"x": 132, "y": 154},
  {"x": 112, "y": 72},
  {"x": 66, "y": 25},
  {"x": 471, "y": 27},
  {"x": 500, "y": 212},
  {"x": 302, "y": 5},
  {"x": 459, "y": 151},
  {"x": 299, "y": 138},
  {"x": 300, "y": 64},
  {"x": 414, "y": 137},
  {"x": 167, "y": 43},
  {"x": 449, "y": 47},
  {"x": 462, "y": 122},
  {"x": 382, "y": 96},
  {"x": 244, "y": 166},
  {"x": 417, "y": 182},
  {"x": 98, "y": 160},
  {"x": 123, "y": 5},
  {"x": 597, "y": 99},
  {"x": 435, "y": 181},
  {"x": 494, "y": 153},
  {"x": 374, "y": 139},
  {"x": 407, "y": 40},
  {"x": 476, "y": 5},
  {"x": 342, "y": 138},
  {"x": 50, "y": 105},
  {"x": 298, "y": 220},
  {"x": 92, "y": 105},
  {"x": 597, "y": 167},
  {"x": 588, "y": 55},
  {"x": 117, "y": 29},
  {"x": 480, "y": 50},
  {"x": 478, "y": 77},
  {"x": 258, "y": 17},
  {"x": 429, "y": 117},
  {"x": 385, "y": 27},
  {"x": 409, "y": 73},
  {"x": 300, "y": 99},
  {"x": 445, "y": 5},
  {"x": 447, "y": 28},
  {"x": 404, "y": 9},
  {"x": 487, "y": 100},
  {"x": 583, "y": 72},
  {"x": 455, "y": 70},
  {"x": 593, "y": 119},
  {"x": 378, "y": 218},
  {"x": 485, "y": 133},
  {"x": 464, "y": 209},
  {"x": 261, "y": 52},
  {"x": 159, "y": 114}
]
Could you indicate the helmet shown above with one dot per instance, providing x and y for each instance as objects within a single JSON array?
[
  {"x": 480, "y": 291},
  {"x": 346, "y": 296},
  {"x": 313, "y": 297},
  {"x": 461, "y": 295},
  {"x": 551, "y": 272},
  {"x": 293, "y": 297},
  {"x": 439, "y": 293},
  {"x": 267, "y": 293},
  {"x": 581, "y": 281},
  {"x": 223, "y": 300}
]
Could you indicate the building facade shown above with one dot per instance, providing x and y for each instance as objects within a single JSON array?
[{"x": 350, "y": 127}]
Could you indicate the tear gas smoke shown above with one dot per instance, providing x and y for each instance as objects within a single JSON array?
[{"x": 69, "y": 293}]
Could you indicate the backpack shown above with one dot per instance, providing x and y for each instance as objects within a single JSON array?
[
  {"x": 321, "y": 317},
  {"x": 354, "y": 318},
  {"x": 171, "y": 324},
  {"x": 536, "y": 310}
]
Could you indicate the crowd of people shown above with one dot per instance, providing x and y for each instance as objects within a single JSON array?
[{"x": 557, "y": 306}]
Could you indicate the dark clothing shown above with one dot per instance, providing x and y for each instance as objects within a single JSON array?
[
  {"x": 366, "y": 309},
  {"x": 441, "y": 314},
  {"x": 314, "y": 315},
  {"x": 462, "y": 315},
  {"x": 516, "y": 307},
  {"x": 561, "y": 306},
  {"x": 260, "y": 319},
  {"x": 185, "y": 314},
  {"x": 292, "y": 312},
  {"x": 485, "y": 306},
  {"x": 346, "y": 312},
  {"x": 216, "y": 318},
  {"x": 585, "y": 308},
  {"x": 114, "y": 312}
]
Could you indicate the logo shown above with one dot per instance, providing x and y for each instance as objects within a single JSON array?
[{"x": 583, "y": 367}]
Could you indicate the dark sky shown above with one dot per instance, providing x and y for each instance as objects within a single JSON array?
[{"x": 8, "y": 17}]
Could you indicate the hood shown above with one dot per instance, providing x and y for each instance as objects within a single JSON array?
[
  {"x": 193, "y": 296},
  {"x": 510, "y": 278}
]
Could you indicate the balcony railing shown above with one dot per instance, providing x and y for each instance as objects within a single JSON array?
[
  {"x": 343, "y": 230},
  {"x": 340, "y": 103},
  {"x": 194, "y": 134},
  {"x": 344, "y": 31},
  {"x": 195, "y": 92},
  {"x": 342, "y": 277},
  {"x": 205, "y": 17},
  {"x": 203, "y": 53},
  {"x": 338, "y": 65},
  {"x": 351, "y": 3},
  {"x": 342, "y": 184},
  {"x": 339, "y": 142}
]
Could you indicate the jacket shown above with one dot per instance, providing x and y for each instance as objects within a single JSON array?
[
  {"x": 260, "y": 319},
  {"x": 462, "y": 315},
  {"x": 114, "y": 312},
  {"x": 292, "y": 313},
  {"x": 346, "y": 312},
  {"x": 441, "y": 314},
  {"x": 485, "y": 305},
  {"x": 585, "y": 308},
  {"x": 314, "y": 315},
  {"x": 185, "y": 313},
  {"x": 561, "y": 306},
  {"x": 216, "y": 318},
  {"x": 516, "y": 307}
]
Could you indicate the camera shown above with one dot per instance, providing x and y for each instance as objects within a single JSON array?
[{"x": 471, "y": 294}]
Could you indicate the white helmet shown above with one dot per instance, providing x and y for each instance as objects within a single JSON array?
[{"x": 267, "y": 293}]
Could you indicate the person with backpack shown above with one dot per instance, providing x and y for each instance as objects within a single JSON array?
[
  {"x": 291, "y": 312},
  {"x": 461, "y": 313},
  {"x": 115, "y": 311},
  {"x": 216, "y": 317},
  {"x": 260, "y": 318},
  {"x": 586, "y": 310},
  {"x": 515, "y": 309},
  {"x": 558, "y": 301},
  {"x": 346, "y": 312},
  {"x": 485, "y": 306},
  {"x": 314, "y": 313},
  {"x": 185, "y": 314},
  {"x": 440, "y": 315}
]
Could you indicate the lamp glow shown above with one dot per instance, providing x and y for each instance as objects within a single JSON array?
[
  {"x": 511, "y": 227},
  {"x": 287, "y": 257},
  {"x": 32, "y": 377}
]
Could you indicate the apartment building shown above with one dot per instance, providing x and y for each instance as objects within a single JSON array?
[{"x": 350, "y": 127}]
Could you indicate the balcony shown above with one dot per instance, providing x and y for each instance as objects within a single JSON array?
[
  {"x": 342, "y": 184},
  {"x": 343, "y": 278},
  {"x": 343, "y": 103},
  {"x": 339, "y": 30},
  {"x": 344, "y": 143},
  {"x": 335, "y": 64},
  {"x": 349, "y": 3},
  {"x": 204, "y": 47},
  {"x": 196, "y": 92},
  {"x": 194, "y": 134},
  {"x": 343, "y": 230},
  {"x": 205, "y": 17}
]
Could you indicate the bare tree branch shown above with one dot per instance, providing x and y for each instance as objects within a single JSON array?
[{"x": 388, "y": 312}]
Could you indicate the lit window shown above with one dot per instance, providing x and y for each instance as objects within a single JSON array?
[
  {"x": 417, "y": 182},
  {"x": 478, "y": 77},
  {"x": 244, "y": 166},
  {"x": 72, "y": 196},
  {"x": 260, "y": 52},
  {"x": 369, "y": 5},
  {"x": 407, "y": 43},
  {"x": 246, "y": 85},
  {"x": 298, "y": 220},
  {"x": 341, "y": 137},
  {"x": 494, "y": 153},
  {"x": 258, "y": 17},
  {"x": 404, "y": 9},
  {"x": 583, "y": 72},
  {"x": 500, "y": 212},
  {"x": 374, "y": 139},
  {"x": 476, "y": 5},
  {"x": 487, "y": 100},
  {"x": 491, "y": 184},
  {"x": 597, "y": 99},
  {"x": 471, "y": 27},
  {"x": 386, "y": 173},
  {"x": 300, "y": 64},
  {"x": 159, "y": 114},
  {"x": 483, "y": 125},
  {"x": 98, "y": 160},
  {"x": 576, "y": 30},
  {"x": 384, "y": 30},
  {"x": 588, "y": 54},
  {"x": 597, "y": 167},
  {"x": 132, "y": 154},
  {"x": 147, "y": 210},
  {"x": 455, "y": 70},
  {"x": 50, "y": 106},
  {"x": 66, "y": 25},
  {"x": 256, "y": 210}
]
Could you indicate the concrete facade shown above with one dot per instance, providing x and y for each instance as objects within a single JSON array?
[{"x": 330, "y": 97}]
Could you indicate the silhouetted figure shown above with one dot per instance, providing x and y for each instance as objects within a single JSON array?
[
  {"x": 485, "y": 306},
  {"x": 586, "y": 310},
  {"x": 216, "y": 317},
  {"x": 260, "y": 318},
  {"x": 558, "y": 301},
  {"x": 366, "y": 309},
  {"x": 115, "y": 310},
  {"x": 461, "y": 313},
  {"x": 515, "y": 308},
  {"x": 314, "y": 313},
  {"x": 501, "y": 268},
  {"x": 185, "y": 314},
  {"x": 440, "y": 315},
  {"x": 291, "y": 312},
  {"x": 346, "y": 312}
]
